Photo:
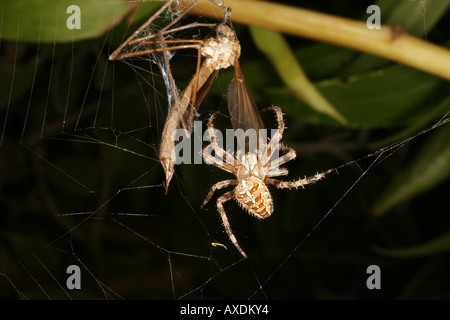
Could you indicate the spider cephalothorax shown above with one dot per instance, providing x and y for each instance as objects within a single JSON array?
[{"x": 253, "y": 171}]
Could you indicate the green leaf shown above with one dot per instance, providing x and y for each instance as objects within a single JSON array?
[
  {"x": 46, "y": 21},
  {"x": 416, "y": 18},
  {"x": 275, "y": 47},
  {"x": 393, "y": 96},
  {"x": 431, "y": 167},
  {"x": 435, "y": 246},
  {"x": 323, "y": 60},
  {"x": 421, "y": 121}
]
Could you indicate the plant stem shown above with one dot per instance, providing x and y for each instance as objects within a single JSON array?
[{"x": 390, "y": 42}]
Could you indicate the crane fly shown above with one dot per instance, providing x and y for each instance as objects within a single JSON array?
[{"x": 219, "y": 52}]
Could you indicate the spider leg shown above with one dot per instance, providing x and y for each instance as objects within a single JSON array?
[
  {"x": 217, "y": 186},
  {"x": 275, "y": 141},
  {"x": 210, "y": 159},
  {"x": 275, "y": 172},
  {"x": 298, "y": 183},
  {"x": 290, "y": 155},
  {"x": 220, "y": 152},
  {"x": 227, "y": 196}
]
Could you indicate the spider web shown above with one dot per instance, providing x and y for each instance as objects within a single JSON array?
[{"x": 82, "y": 185}]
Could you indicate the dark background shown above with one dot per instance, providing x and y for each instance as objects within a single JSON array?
[{"x": 87, "y": 187}]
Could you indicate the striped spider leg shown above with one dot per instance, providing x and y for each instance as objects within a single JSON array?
[
  {"x": 253, "y": 171},
  {"x": 219, "y": 52}
]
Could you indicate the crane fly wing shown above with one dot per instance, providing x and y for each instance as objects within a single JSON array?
[
  {"x": 241, "y": 103},
  {"x": 243, "y": 109}
]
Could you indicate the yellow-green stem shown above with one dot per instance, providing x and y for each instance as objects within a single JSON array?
[{"x": 389, "y": 42}]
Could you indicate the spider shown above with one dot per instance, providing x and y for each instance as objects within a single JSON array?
[{"x": 253, "y": 171}]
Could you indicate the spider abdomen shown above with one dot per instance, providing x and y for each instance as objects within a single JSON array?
[{"x": 254, "y": 196}]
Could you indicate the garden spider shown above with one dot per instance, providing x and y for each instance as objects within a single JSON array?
[{"x": 253, "y": 171}]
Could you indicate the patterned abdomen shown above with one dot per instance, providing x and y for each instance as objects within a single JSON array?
[{"x": 253, "y": 195}]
